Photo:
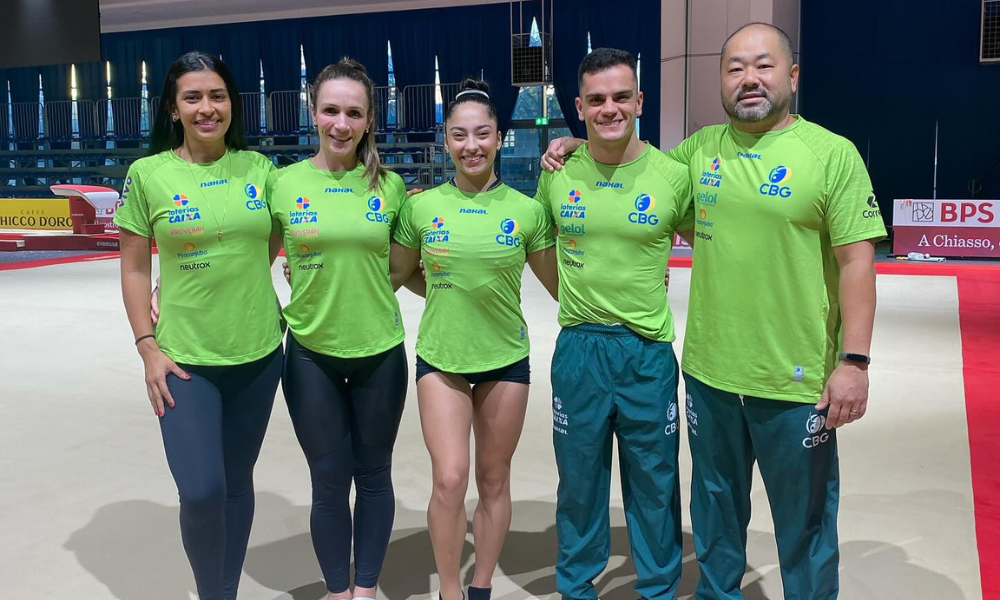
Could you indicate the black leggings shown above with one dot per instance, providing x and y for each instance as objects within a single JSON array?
[
  {"x": 212, "y": 437},
  {"x": 346, "y": 414}
]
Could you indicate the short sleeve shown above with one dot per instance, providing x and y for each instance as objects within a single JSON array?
[
  {"x": 133, "y": 214},
  {"x": 683, "y": 152},
  {"x": 406, "y": 232},
  {"x": 852, "y": 213},
  {"x": 542, "y": 191},
  {"x": 269, "y": 188},
  {"x": 542, "y": 234}
]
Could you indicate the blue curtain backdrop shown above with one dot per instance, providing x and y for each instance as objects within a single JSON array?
[
  {"x": 469, "y": 41},
  {"x": 608, "y": 29},
  {"x": 896, "y": 67},
  {"x": 24, "y": 93}
]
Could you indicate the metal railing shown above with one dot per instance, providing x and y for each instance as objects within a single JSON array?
[
  {"x": 287, "y": 114},
  {"x": 126, "y": 116},
  {"x": 24, "y": 116},
  {"x": 418, "y": 108}
]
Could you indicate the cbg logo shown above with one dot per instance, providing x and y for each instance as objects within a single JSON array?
[
  {"x": 814, "y": 425},
  {"x": 672, "y": 417},
  {"x": 644, "y": 204},
  {"x": 508, "y": 234},
  {"x": 253, "y": 203},
  {"x": 778, "y": 176},
  {"x": 375, "y": 215}
]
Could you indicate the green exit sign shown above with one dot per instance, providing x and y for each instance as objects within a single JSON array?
[{"x": 542, "y": 121}]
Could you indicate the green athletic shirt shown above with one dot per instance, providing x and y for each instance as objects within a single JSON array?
[
  {"x": 474, "y": 247},
  {"x": 615, "y": 231},
  {"x": 764, "y": 317},
  {"x": 336, "y": 233},
  {"x": 217, "y": 303}
]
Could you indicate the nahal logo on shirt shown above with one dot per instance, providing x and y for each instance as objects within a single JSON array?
[
  {"x": 776, "y": 181},
  {"x": 711, "y": 176},
  {"x": 751, "y": 155},
  {"x": 508, "y": 233},
  {"x": 472, "y": 211},
  {"x": 437, "y": 231},
  {"x": 214, "y": 183},
  {"x": 338, "y": 190},
  {"x": 615, "y": 185},
  {"x": 376, "y": 213},
  {"x": 182, "y": 212},
  {"x": 643, "y": 214},
  {"x": 303, "y": 215},
  {"x": 572, "y": 209}
]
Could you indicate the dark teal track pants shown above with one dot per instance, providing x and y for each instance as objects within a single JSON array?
[
  {"x": 798, "y": 461},
  {"x": 608, "y": 382}
]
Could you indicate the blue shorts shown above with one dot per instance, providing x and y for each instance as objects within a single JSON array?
[{"x": 518, "y": 372}]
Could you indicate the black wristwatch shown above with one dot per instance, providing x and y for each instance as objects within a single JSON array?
[{"x": 855, "y": 358}]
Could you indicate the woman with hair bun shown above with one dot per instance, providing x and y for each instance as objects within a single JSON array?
[{"x": 474, "y": 234}]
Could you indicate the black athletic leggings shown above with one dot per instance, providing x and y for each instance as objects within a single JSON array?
[
  {"x": 212, "y": 437},
  {"x": 346, "y": 413}
]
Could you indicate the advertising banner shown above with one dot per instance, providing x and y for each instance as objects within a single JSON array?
[{"x": 960, "y": 228}]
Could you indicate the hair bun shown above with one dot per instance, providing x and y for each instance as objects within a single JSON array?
[
  {"x": 353, "y": 64},
  {"x": 475, "y": 84}
]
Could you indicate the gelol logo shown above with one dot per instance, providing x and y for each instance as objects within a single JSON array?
[
  {"x": 508, "y": 234},
  {"x": 302, "y": 203},
  {"x": 375, "y": 215},
  {"x": 251, "y": 191},
  {"x": 572, "y": 209},
  {"x": 711, "y": 176},
  {"x": 776, "y": 182},
  {"x": 643, "y": 215},
  {"x": 180, "y": 200}
]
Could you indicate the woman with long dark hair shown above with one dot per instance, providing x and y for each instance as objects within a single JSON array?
[{"x": 213, "y": 359}]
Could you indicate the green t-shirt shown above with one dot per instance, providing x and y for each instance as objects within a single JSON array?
[
  {"x": 337, "y": 233},
  {"x": 615, "y": 231},
  {"x": 474, "y": 247},
  {"x": 764, "y": 317},
  {"x": 217, "y": 303}
]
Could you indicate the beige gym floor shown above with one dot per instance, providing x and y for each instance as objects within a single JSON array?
[{"x": 88, "y": 509}]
